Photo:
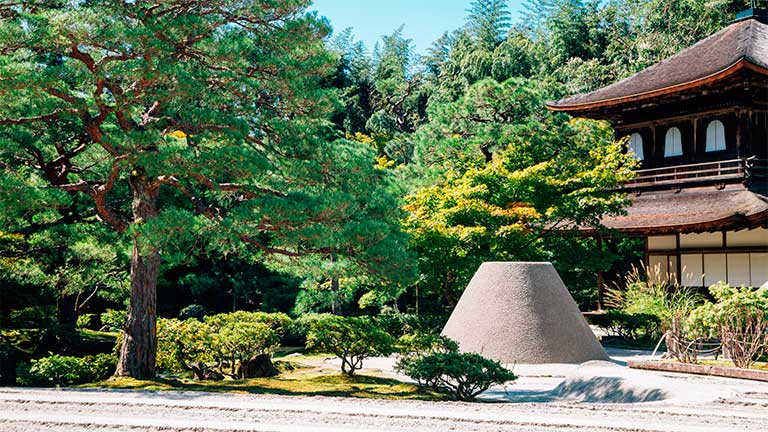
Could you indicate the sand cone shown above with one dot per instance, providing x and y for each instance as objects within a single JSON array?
[{"x": 518, "y": 312}]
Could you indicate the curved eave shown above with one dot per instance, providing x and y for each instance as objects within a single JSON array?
[
  {"x": 701, "y": 82},
  {"x": 733, "y": 222}
]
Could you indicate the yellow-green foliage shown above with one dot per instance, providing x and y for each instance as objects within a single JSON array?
[
  {"x": 182, "y": 342},
  {"x": 223, "y": 338},
  {"x": 506, "y": 172},
  {"x": 645, "y": 291},
  {"x": 278, "y": 322},
  {"x": 352, "y": 339},
  {"x": 732, "y": 308}
]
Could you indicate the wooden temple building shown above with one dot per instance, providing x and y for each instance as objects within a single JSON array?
[{"x": 698, "y": 122}]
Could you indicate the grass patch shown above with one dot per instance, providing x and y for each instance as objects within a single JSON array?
[
  {"x": 301, "y": 381},
  {"x": 98, "y": 335}
]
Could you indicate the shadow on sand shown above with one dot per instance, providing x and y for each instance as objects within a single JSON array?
[{"x": 589, "y": 390}]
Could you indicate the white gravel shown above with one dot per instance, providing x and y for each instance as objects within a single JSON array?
[{"x": 595, "y": 396}]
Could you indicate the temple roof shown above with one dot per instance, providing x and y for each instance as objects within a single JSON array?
[
  {"x": 692, "y": 210},
  {"x": 743, "y": 44}
]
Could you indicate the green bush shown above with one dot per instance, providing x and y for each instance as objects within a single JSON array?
[
  {"x": 399, "y": 324},
  {"x": 229, "y": 341},
  {"x": 648, "y": 292},
  {"x": 35, "y": 317},
  {"x": 58, "y": 370},
  {"x": 240, "y": 342},
  {"x": 463, "y": 376},
  {"x": 352, "y": 339},
  {"x": 193, "y": 311},
  {"x": 426, "y": 343},
  {"x": 279, "y": 322},
  {"x": 301, "y": 326},
  {"x": 112, "y": 320},
  {"x": 632, "y": 327},
  {"x": 739, "y": 317},
  {"x": 102, "y": 366},
  {"x": 180, "y": 343},
  {"x": 86, "y": 321}
]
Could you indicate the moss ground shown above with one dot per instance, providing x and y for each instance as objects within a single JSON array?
[{"x": 297, "y": 379}]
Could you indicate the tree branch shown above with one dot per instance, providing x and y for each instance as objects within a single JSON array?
[{"x": 23, "y": 120}]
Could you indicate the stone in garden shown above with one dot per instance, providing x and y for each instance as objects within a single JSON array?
[
  {"x": 203, "y": 372},
  {"x": 259, "y": 366},
  {"x": 521, "y": 312}
]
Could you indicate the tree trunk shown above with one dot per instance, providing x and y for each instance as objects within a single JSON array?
[
  {"x": 485, "y": 149},
  {"x": 139, "y": 344},
  {"x": 335, "y": 307},
  {"x": 66, "y": 311}
]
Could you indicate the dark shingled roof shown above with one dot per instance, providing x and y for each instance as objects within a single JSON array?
[
  {"x": 730, "y": 48},
  {"x": 692, "y": 210}
]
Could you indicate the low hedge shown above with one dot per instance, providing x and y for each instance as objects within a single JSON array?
[{"x": 57, "y": 370}]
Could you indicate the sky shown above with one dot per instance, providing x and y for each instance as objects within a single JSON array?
[{"x": 425, "y": 20}]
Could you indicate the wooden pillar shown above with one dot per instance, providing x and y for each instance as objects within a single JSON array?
[
  {"x": 678, "y": 258},
  {"x": 740, "y": 150},
  {"x": 695, "y": 140}
]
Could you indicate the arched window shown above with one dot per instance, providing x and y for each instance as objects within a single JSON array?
[
  {"x": 715, "y": 136},
  {"x": 636, "y": 145},
  {"x": 673, "y": 143}
]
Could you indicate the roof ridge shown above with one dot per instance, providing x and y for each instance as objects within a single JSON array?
[
  {"x": 741, "y": 41},
  {"x": 749, "y": 35},
  {"x": 755, "y": 45},
  {"x": 678, "y": 54}
]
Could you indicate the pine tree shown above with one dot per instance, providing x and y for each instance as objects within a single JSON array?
[{"x": 183, "y": 124}]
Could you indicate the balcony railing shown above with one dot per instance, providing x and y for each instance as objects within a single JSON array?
[{"x": 728, "y": 171}]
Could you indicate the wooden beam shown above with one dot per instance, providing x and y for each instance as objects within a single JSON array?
[{"x": 625, "y": 127}]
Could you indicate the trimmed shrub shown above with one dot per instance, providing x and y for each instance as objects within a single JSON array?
[
  {"x": 231, "y": 341},
  {"x": 352, "y": 339},
  {"x": 101, "y": 366},
  {"x": 58, "y": 370},
  {"x": 739, "y": 317},
  {"x": 241, "y": 343},
  {"x": 301, "y": 326},
  {"x": 193, "y": 311},
  {"x": 181, "y": 343},
  {"x": 279, "y": 322},
  {"x": 86, "y": 321},
  {"x": 112, "y": 320},
  {"x": 421, "y": 344},
  {"x": 463, "y": 376}
]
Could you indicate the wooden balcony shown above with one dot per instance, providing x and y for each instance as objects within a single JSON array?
[{"x": 701, "y": 174}]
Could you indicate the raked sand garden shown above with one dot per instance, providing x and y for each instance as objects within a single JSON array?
[{"x": 596, "y": 395}]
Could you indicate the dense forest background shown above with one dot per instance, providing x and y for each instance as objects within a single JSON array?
[{"x": 440, "y": 161}]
